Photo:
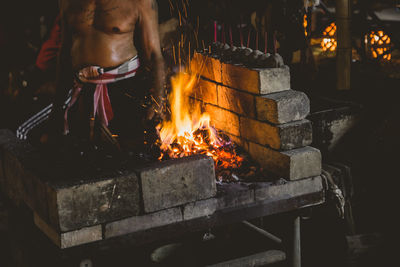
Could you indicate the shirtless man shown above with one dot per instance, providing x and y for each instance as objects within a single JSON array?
[{"x": 102, "y": 42}]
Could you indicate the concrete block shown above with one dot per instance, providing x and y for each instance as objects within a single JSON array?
[
  {"x": 236, "y": 101},
  {"x": 72, "y": 238},
  {"x": 207, "y": 67},
  {"x": 292, "y": 165},
  {"x": 199, "y": 209},
  {"x": 175, "y": 182},
  {"x": 13, "y": 171},
  {"x": 61, "y": 196},
  {"x": 96, "y": 202},
  {"x": 206, "y": 91},
  {"x": 282, "y": 107},
  {"x": 144, "y": 222},
  {"x": 295, "y": 134},
  {"x": 224, "y": 120},
  {"x": 292, "y": 189},
  {"x": 280, "y": 137},
  {"x": 234, "y": 195},
  {"x": 256, "y": 81},
  {"x": 338, "y": 122}
]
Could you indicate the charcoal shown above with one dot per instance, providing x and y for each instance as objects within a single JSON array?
[
  {"x": 237, "y": 55},
  {"x": 254, "y": 57},
  {"x": 246, "y": 56},
  {"x": 273, "y": 61},
  {"x": 262, "y": 58}
]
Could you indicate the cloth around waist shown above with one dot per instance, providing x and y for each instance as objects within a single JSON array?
[{"x": 124, "y": 71}]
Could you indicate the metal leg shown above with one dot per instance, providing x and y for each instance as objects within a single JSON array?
[{"x": 296, "y": 256}]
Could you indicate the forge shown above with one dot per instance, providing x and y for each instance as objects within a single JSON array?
[
  {"x": 257, "y": 109},
  {"x": 236, "y": 148}
]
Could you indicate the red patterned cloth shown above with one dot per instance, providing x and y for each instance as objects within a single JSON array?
[
  {"x": 101, "y": 101},
  {"x": 49, "y": 50}
]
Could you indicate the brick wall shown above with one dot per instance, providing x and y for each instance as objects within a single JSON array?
[{"x": 259, "y": 111}]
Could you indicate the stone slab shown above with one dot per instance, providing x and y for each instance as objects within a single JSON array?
[
  {"x": 292, "y": 165},
  {"x": 200, "y": 209},
  {"x": 273, "y": 191},
  {"x": 256, "y": 81},
  {"x": 15, "y": 153},
  {"x": 295, "y": 134},
  {"x": 283, "y": 107},
  {"x": 235, "y": 203},
  {"x": 280, "y": 137},
  {"x": 224, "y": 120},
  {"x": 207, "y": 67},
  {"x": 235, "y": 195},
  {"x": 176, "y": 182},
  {"x": 144, "y": 222},
  {"x": 97, "y": 202},
  {"x": 65, "y": 199},
  {"x": 236, "y": 101},
  {"x": 69, "y": 239},
  {"x": 206, "y": 91}
]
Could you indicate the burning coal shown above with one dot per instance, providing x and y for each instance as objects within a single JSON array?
[{"x": 189, "y": 131}]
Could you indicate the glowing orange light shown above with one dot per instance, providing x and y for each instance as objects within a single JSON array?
[
  {"x": 305, "y": 24},
  {"x": 329, "y": 42},
  {"x": 379, "y": 43}
]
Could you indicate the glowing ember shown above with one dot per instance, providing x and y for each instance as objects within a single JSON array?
[
  {"x": 329, "y": 42},
  {"x": 189, "y": 131}
]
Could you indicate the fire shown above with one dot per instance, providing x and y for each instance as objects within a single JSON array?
[
  {"x": 181, "y": 135},
  {"x": 189, "y": 131}
]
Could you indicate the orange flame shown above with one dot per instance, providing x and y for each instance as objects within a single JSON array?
[
  {"x": 189, "y": 131},
  {"x": 188, "y": 128}
]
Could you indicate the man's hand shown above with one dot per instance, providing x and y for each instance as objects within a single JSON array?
[
  {"x": 156, "y": 110},
  {"x": 89, "y": 73}
]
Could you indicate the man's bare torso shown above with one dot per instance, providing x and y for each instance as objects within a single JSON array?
[{"x": 101, "y": 31}]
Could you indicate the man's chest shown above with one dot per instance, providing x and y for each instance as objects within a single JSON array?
[{"x": 116, "y": 16}]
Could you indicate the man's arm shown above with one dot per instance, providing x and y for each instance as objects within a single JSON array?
[{"x": 151, "y": 49}]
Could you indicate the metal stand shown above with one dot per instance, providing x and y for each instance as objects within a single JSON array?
[{"x": 296, "y": 256}]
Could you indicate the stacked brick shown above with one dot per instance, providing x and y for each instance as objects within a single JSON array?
[
  {"x": 74, "y": 208},
  {"x": 259, "y": 111}
]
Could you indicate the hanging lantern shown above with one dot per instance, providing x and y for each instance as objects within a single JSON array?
[
  {"x": 329, "y": 42},
  {"x": 378, "y": 44}
]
